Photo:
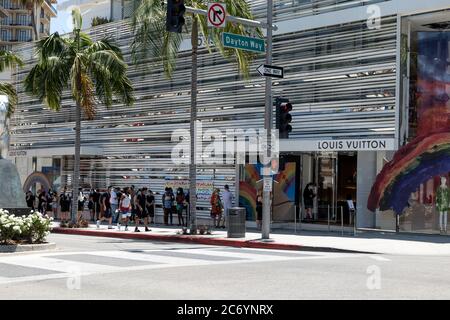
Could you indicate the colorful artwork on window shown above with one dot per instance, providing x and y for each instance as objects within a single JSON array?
[{"x": 428, "y": 155}]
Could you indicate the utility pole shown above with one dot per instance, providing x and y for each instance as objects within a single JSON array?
[
  {"x": 268, "y": 107},
  {"x": 266, "y": 217}
]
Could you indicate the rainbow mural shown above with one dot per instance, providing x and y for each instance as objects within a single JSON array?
[
  {"x": 428, "y": 155},
  {"x": 248, "y": 188}
]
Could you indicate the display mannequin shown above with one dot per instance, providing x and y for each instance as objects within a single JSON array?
[{"x": 442, "y": 204}]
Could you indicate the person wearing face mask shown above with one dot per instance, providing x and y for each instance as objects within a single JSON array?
[{"x": 308, "y": 200}]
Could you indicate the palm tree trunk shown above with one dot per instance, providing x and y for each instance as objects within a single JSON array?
[
  {"x": 76, "y": 165},
  {"x": 192, "y": 164},
  {"x": 76, "y": 168}
]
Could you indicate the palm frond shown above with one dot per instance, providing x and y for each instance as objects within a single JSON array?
[
  {"x": 8, "y": 90},
  {"x": 242, "y": 58},
  {"x": 109, "y": 72},
  {"x": 151, "y": 40},
  {"x": 53, "y": 45},
  {"x": 47, "y": 80},
  {"x": 9, "y": 60}
]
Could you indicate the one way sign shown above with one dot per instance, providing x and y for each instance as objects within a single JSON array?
[{"x": 270, "y": 71}]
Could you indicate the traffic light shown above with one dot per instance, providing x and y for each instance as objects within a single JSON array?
[
  {"x": 174, "y": 19},
  {"x": 283, "y": 117}
]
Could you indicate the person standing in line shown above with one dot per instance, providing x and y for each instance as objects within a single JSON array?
[
  {"x": 55, "y": 205},
  {"x": 64, "y": 202},
  {"x": 259, "y": 210},
  {"x": 125, "y": 207},
  {"x": 188, "y": 209},
  {"x": 113, "y": 203},
  {"x": 174, "y": 207},
  {"x": 216, "y": 207},
  {"x": 91, "y": 205},
  {"x": 106, "y": 205},
  {"x": 227, "y": 203},
  {"x": 141, "y": 201},
  {"x": 133, "y": 207},
  {"x": 180, "y": 199},
  {"x": 308, "y": 200},
  {"x": 81, "y": 201},
  {"x": 151, "y": 206},
  {"x": 30, "y": 199},
  {"x": 48, "y": 202},
  {"x": 41, "y": 201},
  {"x": 167, "y": 205}
]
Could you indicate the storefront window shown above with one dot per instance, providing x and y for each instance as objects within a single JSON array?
[{"x": 423, "y": 213}]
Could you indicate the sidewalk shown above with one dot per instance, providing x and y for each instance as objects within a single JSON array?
[{"x": 364, "y": 242}]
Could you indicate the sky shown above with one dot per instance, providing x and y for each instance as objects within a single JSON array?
[{"x": 63, "y": 22}]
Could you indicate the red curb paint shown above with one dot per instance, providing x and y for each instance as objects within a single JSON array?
[{"x": 181, "y": 238}]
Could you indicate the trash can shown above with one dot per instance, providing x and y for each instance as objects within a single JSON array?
[{"x": 236, "y": 222}]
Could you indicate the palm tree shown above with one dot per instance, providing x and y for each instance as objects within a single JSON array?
[
  {"x": 9, "y": 60},
  {"x": 152, "y": 40},
  {"x": 92, "y": 70}
]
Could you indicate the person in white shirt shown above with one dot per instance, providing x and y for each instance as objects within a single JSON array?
[
  {"x": 227, "y": 199},
  {"x": 81, "y": 201},
  {"x": 125, "y": 207},
  {"x": 114, "y": 202}
]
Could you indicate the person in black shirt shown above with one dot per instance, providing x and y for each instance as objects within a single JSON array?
[
  {"x": 141, "y": 212},
  {"x": 30, "y": 198},
  {"x": 64, "y": 202},
  {"x": 96, "y": 200},
  {"x": 308, "y": 200},
  {"x": 151, "y": 206},
  {"x": 106, "y": 206},
  {"x": 42, "y": 201}
]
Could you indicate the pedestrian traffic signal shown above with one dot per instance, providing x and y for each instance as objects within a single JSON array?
[
  {"x": 283, "y": 117},
  {"x": 174, "y": 19}
]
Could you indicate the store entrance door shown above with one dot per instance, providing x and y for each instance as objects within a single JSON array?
[
  {"x": 325, "y": 176},
  {"x": 334, "y": 177}
]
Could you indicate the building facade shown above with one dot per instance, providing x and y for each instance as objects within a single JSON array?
[
  {"x": 15, "y": 25},
  {"x": 349, "y": 73}
]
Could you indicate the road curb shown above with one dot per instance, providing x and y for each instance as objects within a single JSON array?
[
  {"x": 14, "y": 248},
  {"x": 256, "y": 244}
]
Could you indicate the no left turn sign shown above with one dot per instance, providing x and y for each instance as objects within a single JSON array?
[{"x": 217, "y": 13}]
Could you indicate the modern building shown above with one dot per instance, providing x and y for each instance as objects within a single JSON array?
[
  {"x": 112, "y": 10},
  {"x": 16, "y": 25},
  {"x": 353, "y": 70}
]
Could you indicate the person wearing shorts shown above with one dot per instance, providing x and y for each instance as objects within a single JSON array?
[
  {"x": 151, "y": 206},
  {"x": 125, "y": 207},
  {"x": 141, "y": 209},
  {"x": 107, "y": 213}
]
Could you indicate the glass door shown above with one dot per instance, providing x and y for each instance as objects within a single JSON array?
[{"x": 325, "y": 207}]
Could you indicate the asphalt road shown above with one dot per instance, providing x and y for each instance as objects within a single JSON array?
[{"x": 104, "y": 268}]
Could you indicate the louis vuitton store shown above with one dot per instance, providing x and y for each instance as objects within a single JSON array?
[{"x": 353, "y": 84}]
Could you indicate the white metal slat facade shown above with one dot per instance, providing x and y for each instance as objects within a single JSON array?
[{"x": 341, "y": 80}]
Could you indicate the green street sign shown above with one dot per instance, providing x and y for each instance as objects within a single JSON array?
[{"x": 231, "y": 40}]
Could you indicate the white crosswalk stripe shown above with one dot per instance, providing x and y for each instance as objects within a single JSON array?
[{"x": 56, "y": 265}]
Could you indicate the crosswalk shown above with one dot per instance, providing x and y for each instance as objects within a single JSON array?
[{"x": 45, "y": 265}]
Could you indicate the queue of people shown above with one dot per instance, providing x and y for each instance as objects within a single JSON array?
[{"x": 120, "y": 206}]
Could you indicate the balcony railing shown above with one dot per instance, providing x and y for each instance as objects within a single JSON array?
[
  {"x": 10, "y": 39},
  {"x": 51, "y": 6}
]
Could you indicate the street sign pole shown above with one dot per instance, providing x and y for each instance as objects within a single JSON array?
[{"x": 266, "y": 217}]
